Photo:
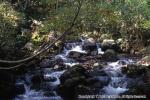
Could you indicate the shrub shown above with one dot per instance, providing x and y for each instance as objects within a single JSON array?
[{"x": 9, "y": 28}]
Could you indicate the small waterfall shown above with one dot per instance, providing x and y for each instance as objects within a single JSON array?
[
  {"x": 77, "y": 47},
  {"x": 118, "y": 83},
  {"x": 31, "y": 94},
  {"x": 99, "y": 49},
  {"x": 56, "y": 75}
]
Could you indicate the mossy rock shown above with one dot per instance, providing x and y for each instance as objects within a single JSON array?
[
  {"x": 134, "y": 70},
  {"x": 142, "y": 90}
]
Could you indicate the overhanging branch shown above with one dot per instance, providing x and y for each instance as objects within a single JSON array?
[{"x": 45, "y": 48}]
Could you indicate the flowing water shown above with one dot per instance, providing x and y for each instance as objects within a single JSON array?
[
  {"x": 117, "y": 84},
  {"x": 31, "y": 94}
]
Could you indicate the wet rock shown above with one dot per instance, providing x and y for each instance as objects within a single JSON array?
[
  {"x": 45, "y": 63},
  {"x": 71, "y": 81},
  {"x": 49, "y": 93},
  {"x": 46, "y": 70},
  {"x": 57, "y": 63},
  {"x": 146, "y": 89},
  {"x": 109, "y": 44},
  {"x": 85, "y": 58},
  {"x": 37, "y": 79},
  {"x": 81, "y": 89},
  {"x": 89, "y": 64},
  {"x": 98, "y": 81},
  {"x": 133, "y": 70},
  {"x": 99, "y": 65},
  {"x": 67, "y": 89},
  {"x": 75, "y": 71},
  {"x": 93, "y": 53},
  {"x": 20, "y": 89},
  {"x": 104, "y": 80},
  {"x": 110, "y": 55},
  {"x": 59, "y": 67},
  {"x": 75, "y": 54},
  {"x": 89, "y": 44},
  {"x": 96, "y": 64},
  {"x": 98, "y": 72},
  {"x": 143, "y": 90},
  {"x": 91, "y": 81},
  {"x": 134, "y": 82},
  {"x": 106, "y": 44},
  {"x": 119, "y": 41},
  {"x": 97, "y": 86},
  {"x": 145, "y": 61},
  {"x": 104, "y": 36},
  {"x": 29, "y": 46},
  {"x": 50, "y": 79},
  {"x": 146, "y": 77}
]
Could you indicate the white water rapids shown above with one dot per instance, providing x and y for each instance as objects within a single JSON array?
[{"x": 116, "y": 85}]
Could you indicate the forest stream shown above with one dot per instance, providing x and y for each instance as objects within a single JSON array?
[
  {"x": 74, "y": 49},
  {"x": 78, "y": 69}
]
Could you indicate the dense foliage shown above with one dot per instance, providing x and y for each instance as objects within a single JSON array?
[{"x": 127, "y": 19}]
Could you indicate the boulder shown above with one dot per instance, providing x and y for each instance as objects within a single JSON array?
[
  {"x": 146, "y": 77},
  {"x": 57, "y": 62},
  {"x": 75, "y": 71},
  {"x": 89, "y": 44},
  {"x": 133, "y": 70},
  {"x": 104, "y": 36},
  {"x": 110, "y": 44},
  {"x": 37, "y": 79},
  {"x": 104, "y": 80},
  {"x": 119, "y": 41},
  {"x": 99, "y": 65},
  {"x": 75, "y": 54},
  {"x": 82, "y": 90},
  {"x": 73, "y": 80},
  {"x": 20, "y": 89},
  {"x": 145, "y": 61},
  {"x": 142, "y": 90},
  {"x": 98, "y": 72},
  {"x": 110, "y": 55},
  {"x": 96, "y": 64},
  {"x": 70, "y": 80},
  {"x": 98, "y": 81},
  {"x": 45, "y": 63},
  {"x": 50, "y": 79},
  {"x": 29, "y": 46},
  {"x": 94, "y": 53}
]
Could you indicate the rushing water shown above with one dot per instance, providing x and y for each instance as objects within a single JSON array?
[
  {"x": 77, "y": 47},
  {"x": 31, "y": 94},
  {"x": 99, "y": 50},
  {"x": 117, "y": 84}
]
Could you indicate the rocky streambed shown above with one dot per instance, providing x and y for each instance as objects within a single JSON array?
[{"x": 85, "y": 68}]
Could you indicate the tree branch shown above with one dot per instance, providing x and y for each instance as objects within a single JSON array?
[{"x": 45, "y": 48}]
